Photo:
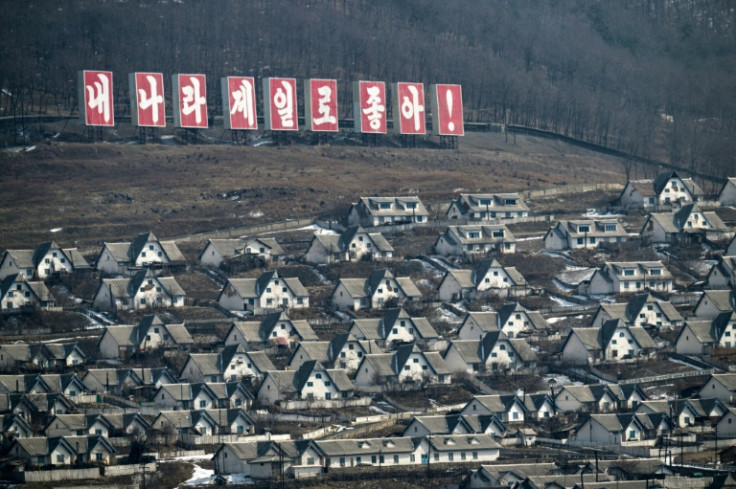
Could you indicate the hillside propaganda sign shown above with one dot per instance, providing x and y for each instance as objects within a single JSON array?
[
  {"x": 447, "y": 110},
  {"x": 190, "y": 101},
  {"x": 280, "y": 101},
  {"x": 280, "y": 104},
  {"x": 147, "y": 107},
  {"x": 320, "y": 105},
  {"x": 239, "y": 103},
  {"x": 408, "y": 105},
  {"x": 95, "y": 97}
]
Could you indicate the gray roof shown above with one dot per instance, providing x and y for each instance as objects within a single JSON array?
[{"x": 446, "y": 443}]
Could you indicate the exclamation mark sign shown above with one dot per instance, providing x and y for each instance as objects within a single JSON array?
[{"x": 448, "y": 98}]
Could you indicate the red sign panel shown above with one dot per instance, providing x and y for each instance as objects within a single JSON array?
[
  {"x": 96, "y": 98},
  {"x": 280, "y": 95},
  {"x": 321, "y": 105},
  {"x": 447, "y": 110},
  {"x": 239, "y": 95},
  {"x": 409, "y": 112},
  {"x": 190, "y": 101},
  {"x": 148, "y": 93},
  {"x": 369, "y": 109}
]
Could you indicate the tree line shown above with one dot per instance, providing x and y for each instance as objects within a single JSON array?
[{"x": 651, "y": 77}]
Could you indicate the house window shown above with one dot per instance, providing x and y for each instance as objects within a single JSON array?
[
  {"x": 475, "y": 455},
  {"x": 310, "y": 384},
  {"x": 396, "y": 459},
  {"x": 60, "y": 459},
  {"x": 515, "y": 415},
  {"x": 310, "y": 460},
  {"x": 451, "y": 456},
  {"x": 202, "y": 404},
  {"x": 632, "y": 434},
  {"x": 436, "y": 457},
  {"x": 98, "y": 457}
]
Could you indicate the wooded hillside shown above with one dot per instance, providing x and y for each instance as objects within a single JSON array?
[{"x": 654, "y": 77}]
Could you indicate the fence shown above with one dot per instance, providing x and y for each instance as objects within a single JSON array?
[
  {"x": 59, "y": 475},
  {"x": 115, "y": 470},
  {"x": 257, "y": 229},
  {"x": 659, "y": 378},
  {"x": 190, "y": 439},
  {"x": 326, "y": 404}
]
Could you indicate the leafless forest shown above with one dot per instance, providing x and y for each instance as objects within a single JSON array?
[{"x": 653, "y": 77}]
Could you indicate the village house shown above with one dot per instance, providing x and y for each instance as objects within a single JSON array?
[
  {"x": 509, "y": 408},
  {"x": 378, "y": 290},
  {"x": 264, "y": 460},
  {"x": 727, "y": 195},
  {"x": 509, "y": 475},
  {"x": 642, "y": 310},
  {"x": 78, "y": 425},
  {"x": 615, "y": 341},
  {"x": 13, "y": 356},
  {"x": 186, "y": 422},
  {"x": 209, "y": 395},
  {"x": 487, "y": 277},
  {"x": 353, "y": 244},
  {"x": 395, "y": 327},
  {"x": 144, "y": 290},
  {"x": 267, "y": 293},
  {"x": 701, "y": 337},
  {"x": 379, "y": 211},
  {"x": 687, "y": 224},
  {"x": 45, "y": 383},
  {"x": 231, "y": 364},
  {"x": 629, "y": 277},
  {"x": 731, "y": 248},
  {"x": 146, "y": 251},
  {"x": 218, "y": 250},
  {"x": 57, "y": 355},
  {"x": 310, "y": 382},
  {"x": 475, "y": 240},
  {"x": 43, "y": 451},
  {"x": 406, "y": 364},
  {"x": 513, "y": 319},
  {"x": 343, "y": 351},
  {"x": 726, "y": 424},
  {"x": 454, "y": 424},
  {"x": 276, "y": 329},
  {"x": 686, "y": 412},
  {"x": 667, "y": 189},
  {"x": 722, "y": 275},
  {"x": 128, "y": 424},
  {"x": 600, "y": 398},
  {"x": 616, "y": 429},
  {"x": 48, "y": 258},
  {"x": 17, "y": 293},
  {"x": 721, "y": 386},
  {"x": 151, "y": 333},
  {"x": 112, "y": 380},
  {"x": 493, "y": 352},
  {"x": 485, "y": 207},
  {"x": 588, "y": 233},
  {"x": 14, "y": 426},
  {"x": 714, "y": 302}
]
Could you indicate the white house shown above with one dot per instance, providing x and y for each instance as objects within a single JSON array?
[
  {"x": 48, "y": 258},
  {"x": 612, "y": 342},
  {"x": 144, "y": 290},
  {"x": 508, "y": 408},
  {"x": 276, "y": 329},
  {"x": 395, "y": 327},
  {"x": 217, "y": 250},
  {"x": 488, "y": 276},
  {"x": 588, "y": 233},
  {"x": 267, "y": 293},
  {"x": 722, "y": 275},
  {"x": 629, "y": 277},
  {"x": 474, "y": 240},
  {"x": 667, "y": 189},
  {"x": 343, "y": 351},
  {"x": 144, "y": 252},
  {"x": 406, "y": 364},
  {"x": 231, "y": 364},
  {"x": 151, "y": 333},
  {"x": 310, "y": 382},
  {"x": 354, "y": 244},
  {"x": 726, "y": 424},
  {"x": 687, "y": 223},
  {"x": 722, "y": 386},
  {"x": 375, "y": 292},
  {"x": 379, "y": 211},
  {"x": 714, "y": 302},
  {"x": 615, "y": 429},
  {"x": 493, "y": 352},
  {"x": 727, "y": 195},
  {"x": 513, "y": 319},
  {"x": 641, "y": 310},
  {"x": 485, "y": 207},
  {"x": 16, "y": 293}
]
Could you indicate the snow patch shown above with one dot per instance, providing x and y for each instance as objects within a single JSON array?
[
  {"x": 317, "y": 229},
  {"x": 595, "y": 213},
  {"x": 55, "y": 230},
  {"x": 255, "y": 214}
]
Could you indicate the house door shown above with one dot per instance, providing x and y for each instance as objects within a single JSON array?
[{"x": 425, "y": 459}]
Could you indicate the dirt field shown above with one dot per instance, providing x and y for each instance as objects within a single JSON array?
[{"x": 83, "y": 194}]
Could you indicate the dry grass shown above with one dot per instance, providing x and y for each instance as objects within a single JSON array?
[{"x": 97, "y": 192}]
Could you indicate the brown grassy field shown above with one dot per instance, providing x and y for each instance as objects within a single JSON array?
[{"x": 103, "y": 192}]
